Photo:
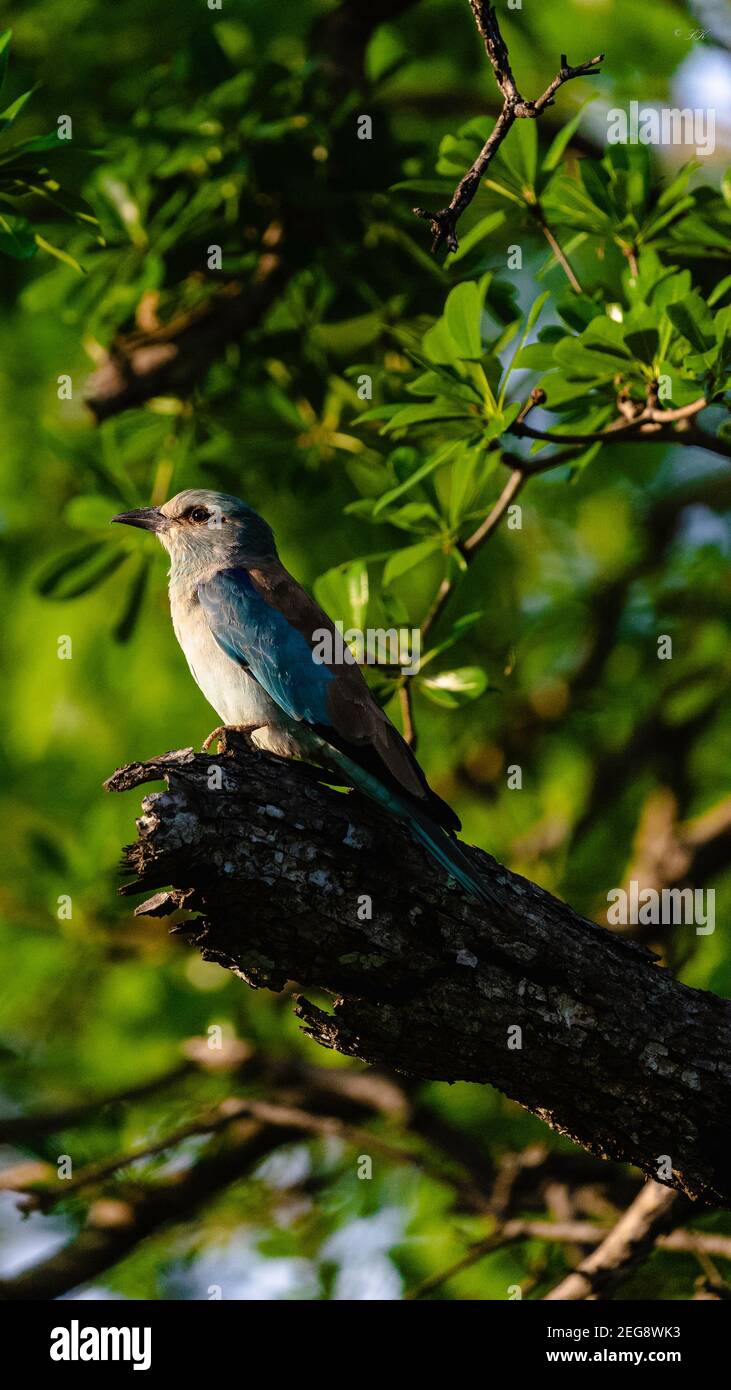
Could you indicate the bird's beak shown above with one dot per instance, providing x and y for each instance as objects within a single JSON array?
[{"x": 149, "y": 518}]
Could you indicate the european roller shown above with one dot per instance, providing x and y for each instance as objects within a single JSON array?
[{"x": 247, "y": 630}]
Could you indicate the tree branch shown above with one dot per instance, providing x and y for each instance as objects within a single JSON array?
[
  {"x": 654, "y": 1211},
  {"x": 295, "y": 881},
  {"x": 169, "y": 358},
  {"x": 515, "y": 107}
]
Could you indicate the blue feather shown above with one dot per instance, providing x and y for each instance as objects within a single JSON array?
[{"x": 259, "y": 637}]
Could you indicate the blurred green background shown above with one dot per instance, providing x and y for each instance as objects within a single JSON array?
[{"x": 193, "y": 126}]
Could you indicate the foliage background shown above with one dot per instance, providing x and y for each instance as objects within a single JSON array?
[{"x": 189, "y": 123}]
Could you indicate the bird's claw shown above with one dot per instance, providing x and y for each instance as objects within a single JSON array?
[
  {"x": 243, "y": 730},
  {"x": 217, "y": 733}
]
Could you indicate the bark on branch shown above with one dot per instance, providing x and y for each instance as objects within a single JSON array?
[{"x": 280, "y": 869}]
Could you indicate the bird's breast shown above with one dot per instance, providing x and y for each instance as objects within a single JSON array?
[{"x": 234, "y": 694}]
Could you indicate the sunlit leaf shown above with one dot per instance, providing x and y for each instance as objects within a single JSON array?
[
  {"x": 450, "y": 689},
  {"x": 404, "y": 560}
]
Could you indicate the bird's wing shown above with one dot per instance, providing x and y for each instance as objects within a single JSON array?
[{"x": 263, "y": 619}]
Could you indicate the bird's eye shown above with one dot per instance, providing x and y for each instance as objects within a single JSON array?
[{"x": 198, "y": 514}]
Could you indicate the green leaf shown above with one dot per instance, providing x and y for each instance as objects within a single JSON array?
[
  {"x": 435, "y": 461},
  {"x": 568, "y": 203},
  {"x": 349, "y": 336},
  {"x": 520, "y": 153},
  {"x": 683, "y": 389},
  {"x": 721, "y": 289},
  {"x": 655, "y": 225},
  {"x": 5, "y": 39},
  {"x": 420, "y": 518},
  {"x": 465, "y": 470},
  {"x": 59, "y": 254},
  {"x": 562, "y": 392},
  {"x": 90, "y": 563},
  {"x": 536, "y": 357},
  {"x": 440, "y": 409},
  {"x": 502, "y": 422},
  {"x": 343, "y": 592},
  {"x": 404, "y": 461},
  {"x": 133, "y": 605},
  {"x": 436, "y": 383},
  {"x": 578, "y": 311},
  {"x": 11, "y": 113},
  {"x": 475, "y": 235},
  {"x": 437, "y": 186},
  {"x": 588, "y": 364},
  {"x": 677, "y": 186},
  {"x": 439, "y": 345},
  {"x": 595, "y": 183},
  {"x": 17, "y": 238},
  {"x": 533, "y": 314},
  {"x": 89, "y": 512},
  {"x": 605, "y": 334},
  {"x": 501, "y": 299},
  {"x": 378, "y": 412},
  {"x": 697, "y": 237},
  {"x": 17, "y": 156},
  {"x": 450, "y": 689},
  {"x": 643, "y": 344},
  {"x": 459, "y": 628},
  {"x": 386, "y": 52},
  {"x": 642, "y": 335},
  {"x": 504, "y": 191},
  {"x": 76, "y": 208},
  {"x": 535, "y": 310},
  {"x": 404, "y": 560},
  {"x": 462, "y": 314},
  {"x": 557, "y": 146},
  {"x": 692, "y": 318}
]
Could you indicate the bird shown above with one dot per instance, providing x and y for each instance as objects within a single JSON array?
[{"x": 246, "y": 627}]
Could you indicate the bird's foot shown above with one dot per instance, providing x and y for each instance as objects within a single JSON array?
[
  {"x": 223, "y": 729},
  {"x": 217, "y": 733}
]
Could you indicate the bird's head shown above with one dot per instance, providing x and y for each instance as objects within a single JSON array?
[{"x": 204, "y": 530}]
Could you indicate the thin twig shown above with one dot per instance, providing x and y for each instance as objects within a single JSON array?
[
  {"x": 522, "y": 470},
  {"x": 16, "y": 1129},
  {"x": 492, "y": 520},
  {"x": 444, "y": 222},
  {"x": 650, "y": 416},
  {"x": 407, "y": 715},
  {"x": 558, "y": 251}
]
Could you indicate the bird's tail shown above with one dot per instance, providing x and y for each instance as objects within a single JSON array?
[
  {"x": 448, "y": 852},
  {"x": 442, "y": 844}
]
